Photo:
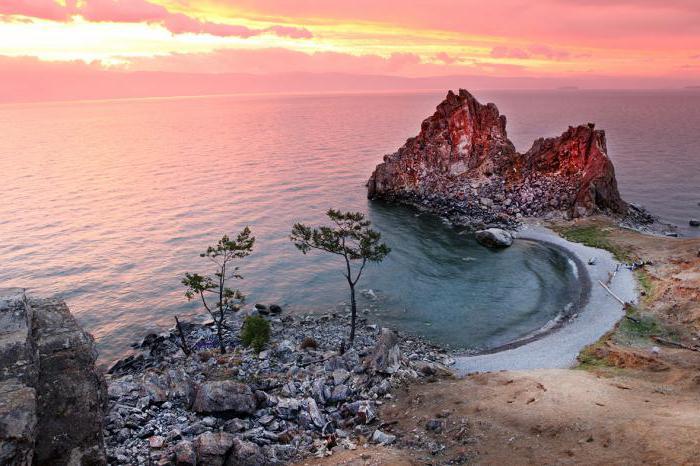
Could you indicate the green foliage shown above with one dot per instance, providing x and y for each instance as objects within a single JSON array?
[
  {"x": 637, "y": 328},
  {"x": 589, "y": 360},
  {"x": 350, "y": 237},
  {"x": 255, "y": 332},
  {"x": 217, "y": 298},
  {"x": 645, "y": 283},
  {"x": 595, "y": 237}
]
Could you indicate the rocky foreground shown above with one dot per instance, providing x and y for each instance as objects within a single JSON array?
[
  {"x": 299, "y": 397},
  {"x": 462, "y": 166}
]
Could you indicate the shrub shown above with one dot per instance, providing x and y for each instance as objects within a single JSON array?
[
  {"x": 255, "y": 332},
  {"x": 308, "y": 342}
]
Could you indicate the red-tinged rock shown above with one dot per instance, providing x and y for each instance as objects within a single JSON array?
[{"x": 463, "y": 165}]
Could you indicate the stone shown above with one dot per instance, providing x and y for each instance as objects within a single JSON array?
[
  {"x": 494, "y": 238},
  {"x": 340, "y": 393},
  {"x": 213, "y": 447},
  {"x": 434, "y": 425},
  {"x": 383, "y": 438},
  {"x": 386, "y": 355},
  {"x": 246, "y": 454},
  {"x": 694, "y": 222},
  {"x": 156, "y": 441},
  {"x": 185, "y": 454},
  {"x": 314, "y": 413},
  {"x": 275, "y": 309},
  {"x": 223, "y": 396}
]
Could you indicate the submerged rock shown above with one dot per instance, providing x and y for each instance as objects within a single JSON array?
[
  {"x": 463, "y": 166},
  {"x": 494, "y": 238}
]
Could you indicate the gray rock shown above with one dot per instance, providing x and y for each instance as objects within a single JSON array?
[
  {"x": 314, "y": 413},
  {"x": 340, "y": 393},
  {"x": 52, "y": 398},
  {"x": 386, "y": 355},
  {"x": 222, "y": 396},
  {"x": 434, "y": 425},
  {"x": 213, "y": 447},
  {"x": 494, "y": 238},
  {"x": 383, "y": 438},
  {"x": 185, "y": 454},
  {"x": 246, "y": 454}
]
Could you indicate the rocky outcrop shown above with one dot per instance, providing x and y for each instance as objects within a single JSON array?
[
  {"x": 463, "y": 165},
  {"x": 52, "y": 399}
]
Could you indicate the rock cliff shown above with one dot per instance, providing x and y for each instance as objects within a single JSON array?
[
  {"x": 463, "y": 165},
  {"x": 52, "y": 399}
]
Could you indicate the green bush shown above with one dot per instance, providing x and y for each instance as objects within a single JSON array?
[{"x": 255, "y": 332}]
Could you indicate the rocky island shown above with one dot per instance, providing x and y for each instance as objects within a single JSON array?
[{"x": 463, "y": 166}]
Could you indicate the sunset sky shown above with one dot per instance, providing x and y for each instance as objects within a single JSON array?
[{"x": 48, "y": 47}]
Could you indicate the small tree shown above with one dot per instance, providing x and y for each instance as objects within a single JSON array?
[
  {"x": 225, "y": 251},
  {"x": 351, "y": 238}
]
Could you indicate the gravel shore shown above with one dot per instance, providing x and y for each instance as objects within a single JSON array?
[{"x": 597, "y": 315}]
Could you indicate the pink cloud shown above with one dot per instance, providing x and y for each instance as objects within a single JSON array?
[
  {"x": 536, "y": 50},
  {"x": 634, "y": 24},
  {"x": 292, "y": 32},
  {"x": 178, "y": 23},
  {"x": 122, "y": 11},
  {"x": 139, "y": 11},
  {"x": 548, "y": 52},
  {"x": 445, "y": 58},
  {"x": 42, "y": 9},
  {"x": 505, "y": 52}
]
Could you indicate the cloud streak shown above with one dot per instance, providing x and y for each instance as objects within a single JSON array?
[{"x": 139, "y": 11}]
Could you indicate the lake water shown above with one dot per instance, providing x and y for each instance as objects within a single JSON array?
[{"x": 109, "y": 203}]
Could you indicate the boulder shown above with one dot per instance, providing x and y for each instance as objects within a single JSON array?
[
  {"x": 494, "y": 238},
  {"x": 275, "y": 309},
  {"x": 213, "y": 447},
  {"x": 52, "y": 398},
  {"x": 386, "y": 356},
  {"x": 383, "y": 438},
  {"x": 185, "y": 454},
  {"x": 246, "y": 454},
  {"x": 224, "y": 396},
  {"x": 694, "y": 222}
]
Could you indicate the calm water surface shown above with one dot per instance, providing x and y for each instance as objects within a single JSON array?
[{"x": 109, "y": 203}]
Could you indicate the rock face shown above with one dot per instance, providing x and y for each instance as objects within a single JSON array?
[
  {"x": 463, "y": 165},
  {"x": 52, "y": 399}
]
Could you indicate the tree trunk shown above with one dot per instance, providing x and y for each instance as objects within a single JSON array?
[
  {"x": 353, "y": 317},
  {"x": 183, "y": 341},
  {"x": 220, "y": 332}
]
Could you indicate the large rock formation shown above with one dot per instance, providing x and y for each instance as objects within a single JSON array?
[
  {"x": 52, "y": 399},
  {"x": 463, "y": 165}
]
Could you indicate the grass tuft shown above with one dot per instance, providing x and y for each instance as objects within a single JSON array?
[{"x": 595, "y": 237}]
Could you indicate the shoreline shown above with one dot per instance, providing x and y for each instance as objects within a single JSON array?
[{"x": 558, "y": 347}]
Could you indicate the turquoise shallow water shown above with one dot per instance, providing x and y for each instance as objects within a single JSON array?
[{"x": 109, "y": 203}]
